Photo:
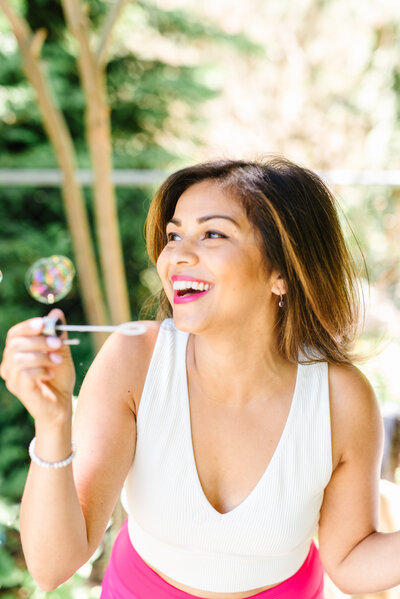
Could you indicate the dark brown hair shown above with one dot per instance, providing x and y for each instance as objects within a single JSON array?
[{"x": 296, "y": 216}]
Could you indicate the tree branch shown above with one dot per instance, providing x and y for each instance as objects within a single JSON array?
[
  {"x": 105, "y": 36},
  {"x": 19, "y": 26}
]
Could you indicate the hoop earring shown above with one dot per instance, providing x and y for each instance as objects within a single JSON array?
[{"x": 281, "y": 302}]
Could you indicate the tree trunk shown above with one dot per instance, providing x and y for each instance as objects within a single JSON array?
[
  {"x": 54, "y": 123},
  {"x": 99, "y": 140}
]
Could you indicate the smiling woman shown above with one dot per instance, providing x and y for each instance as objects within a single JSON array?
[
  {"x": 238, "y": 424},
  {"x": 207, "y": 235},
  {"x": 293, "y": 214}
]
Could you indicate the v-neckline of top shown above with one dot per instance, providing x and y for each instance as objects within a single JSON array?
[{"x": 188, "y": 428}]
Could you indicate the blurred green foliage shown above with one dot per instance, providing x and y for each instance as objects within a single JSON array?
[
  {"x": 154, "y": 102},
  {"x": 292, "y": 102}
]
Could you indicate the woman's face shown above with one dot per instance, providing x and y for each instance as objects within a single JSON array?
[{"x": 212, "y": 268}]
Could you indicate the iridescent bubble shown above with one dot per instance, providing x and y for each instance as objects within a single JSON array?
[
  {"x": 48, "y": 280},
  {"x": 1, "y": 276}
]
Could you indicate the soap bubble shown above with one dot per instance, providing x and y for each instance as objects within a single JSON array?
[
  {"x": 48, "y": 280},
  {"x": 1, "y": 276}
]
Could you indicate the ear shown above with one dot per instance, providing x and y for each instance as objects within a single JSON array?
[{"x": 278, "y": 284}]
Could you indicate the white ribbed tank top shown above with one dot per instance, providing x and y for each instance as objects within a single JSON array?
[{"x": 172, "y": 525}]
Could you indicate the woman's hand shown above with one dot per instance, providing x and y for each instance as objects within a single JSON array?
[{"x": 39, "y": 371}]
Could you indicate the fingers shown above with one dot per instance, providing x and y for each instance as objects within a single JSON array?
[
  {"x": 34, "y": 380},
  {"x": 32, "y": 376},
  {"x": 27, "y": 348},
  {"x": 45, "y": 389},
  {"x": 27, "y": 372},
  {"x": 27, "y": 328},
  {"x": 24, "y": 369},
  {"x": 36, "y": 359},
  {"x": 33, "y": 326},
  {"x": 39, "y": 343},
  {"x": 38, "y": 369},
  {"x": 25, "y": 351},
  {"x": 27, "y": 381}
]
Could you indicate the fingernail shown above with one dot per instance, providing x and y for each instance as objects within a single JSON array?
[
  {"x": 36, "y": 323},
  {"x": 54, "y": 342},
  {"x": 56, "y": 358}
]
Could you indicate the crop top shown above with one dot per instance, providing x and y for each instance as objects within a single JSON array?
[{"x": 266, "y": 538}]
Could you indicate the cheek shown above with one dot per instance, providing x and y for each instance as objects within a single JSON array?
[
  {"x": 162, "y": 269},
  {"x": 255, "y": 272},
  {"x": 161, "y": 265}
]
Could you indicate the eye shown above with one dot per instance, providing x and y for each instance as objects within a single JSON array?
[
  {"x": 214, "y": 235},
  {"x": 172, "y": 237}
]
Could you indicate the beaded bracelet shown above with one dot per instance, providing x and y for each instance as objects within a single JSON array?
[{"x": 44, "y": 464}]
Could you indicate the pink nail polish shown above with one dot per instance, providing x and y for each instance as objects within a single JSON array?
[
  {"x": 56, "y": 358},
  {"x": 36, "y": 323},
  {"x": 53, "y": 342}
]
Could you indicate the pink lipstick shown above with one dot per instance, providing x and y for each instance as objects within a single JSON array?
[{"x": 188, "y": 289}]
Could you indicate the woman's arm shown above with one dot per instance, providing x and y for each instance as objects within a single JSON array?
[
  {"x": 64, "y": 511},
  {"x": 357, "y": 558}
]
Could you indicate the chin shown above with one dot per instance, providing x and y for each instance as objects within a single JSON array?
[{"x": 189, "y": 324}]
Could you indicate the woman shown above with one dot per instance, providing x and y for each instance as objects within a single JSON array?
[{"x": 240, "y": 427}]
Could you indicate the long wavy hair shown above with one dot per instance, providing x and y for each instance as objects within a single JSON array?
[{"x": 297, "y": 219}]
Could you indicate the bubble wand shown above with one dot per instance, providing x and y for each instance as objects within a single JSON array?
[{"x": 54, "y": 327}]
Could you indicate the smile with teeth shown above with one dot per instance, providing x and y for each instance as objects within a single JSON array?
[{"x": 183, "y": 288}]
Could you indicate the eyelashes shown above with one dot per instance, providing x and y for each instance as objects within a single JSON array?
[
  {"x": 215, "y": 235},
  {"x": 171, "y": 237},
  {"x": 207, "y": 235}
]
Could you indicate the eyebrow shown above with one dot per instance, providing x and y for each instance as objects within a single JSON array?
[{"x": 203, "y": 219}]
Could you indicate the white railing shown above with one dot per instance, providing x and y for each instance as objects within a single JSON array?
[
  {"x": 134, "y": 177},
  {"x": 53, "y": 177}
]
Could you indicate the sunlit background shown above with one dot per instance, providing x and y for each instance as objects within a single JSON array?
[{"x": 315, "y": 80}]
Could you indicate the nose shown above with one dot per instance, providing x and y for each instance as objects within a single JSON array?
[{"x": 185, "y": 252}]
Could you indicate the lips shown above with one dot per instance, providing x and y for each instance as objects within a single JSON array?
[{"x": 188, "y": 289}]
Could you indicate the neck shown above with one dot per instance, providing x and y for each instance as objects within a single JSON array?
[{"x": 236, "y": 367}]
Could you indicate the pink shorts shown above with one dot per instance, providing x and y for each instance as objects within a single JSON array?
[{"x": 129, "y": 577}]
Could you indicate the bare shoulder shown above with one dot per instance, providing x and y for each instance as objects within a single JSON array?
[
  {"x": 355, "y": 411},
  {"x": 127, "y": 347},
  {"x": 351, "y": 393},
  {"x": 124, "y": 360}
]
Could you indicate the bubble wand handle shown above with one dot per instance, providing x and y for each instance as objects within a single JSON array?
[
  {"x": 55, "y": 327},
  {"x": 86, "y": 328}
]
